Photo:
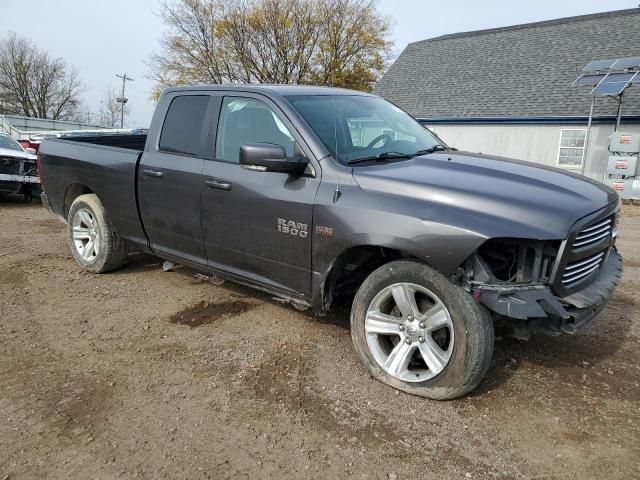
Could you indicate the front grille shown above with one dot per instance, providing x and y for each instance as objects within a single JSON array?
[
  {"x": 594, "y": 234},
  {"x": 583, "y": 255},
  {"x": 577, "y": 271},
  {"x": 9, "y": 166}
]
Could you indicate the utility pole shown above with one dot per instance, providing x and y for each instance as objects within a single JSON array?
[{"x": 122, "y": 99}]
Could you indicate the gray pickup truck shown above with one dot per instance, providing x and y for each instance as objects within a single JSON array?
[{"x": 320, "y": 196}]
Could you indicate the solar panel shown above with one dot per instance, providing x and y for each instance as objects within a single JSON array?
[
  {"x": 589, "y": 79},
  {"x": 614, "y": 83},
  {"x": 595, "y": 74},
  {"x": 630, "y": 62},
  {"x": 597, "y": 65},
  {"x": 610, "y": 88},
  {"x": 619, "y": 77}
]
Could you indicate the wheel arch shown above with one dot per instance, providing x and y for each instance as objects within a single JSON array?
[
  {"x": 444, "y": 253},
  {"x": 350, "y": 268},
  {"x": 72, "y": 192}
]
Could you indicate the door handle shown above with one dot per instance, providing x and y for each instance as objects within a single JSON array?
[
  {"x": 219, "y": 184},
  {"x": 153, "y": 173}
]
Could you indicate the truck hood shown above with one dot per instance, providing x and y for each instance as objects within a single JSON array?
[
  {"x": 7, "y": 152},
  {"x": 492, "y": 196}
]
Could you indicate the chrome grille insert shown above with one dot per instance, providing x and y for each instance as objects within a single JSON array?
[
  {"x": 576, "y": 271},
  {"x": 593, "y": 234}
]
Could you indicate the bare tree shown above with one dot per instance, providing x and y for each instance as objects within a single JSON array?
[
  {"x": 327, "y": 42},
  {"x": 109, "y": 112},
  {"x": 34, "y": 84}
]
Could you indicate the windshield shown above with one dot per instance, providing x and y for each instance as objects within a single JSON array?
[
  {"x": 9, "y": 143},
  {"x": 354, "y": 127}
]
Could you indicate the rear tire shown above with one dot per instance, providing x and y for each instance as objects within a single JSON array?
[
  {"x": 416, "y": 331},
  {"x": 94, "y": 242}
]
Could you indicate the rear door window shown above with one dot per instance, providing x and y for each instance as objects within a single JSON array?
[{"x": 184, "y": 129}]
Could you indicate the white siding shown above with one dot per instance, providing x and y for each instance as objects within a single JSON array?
[{"x": 534, "y": 143}]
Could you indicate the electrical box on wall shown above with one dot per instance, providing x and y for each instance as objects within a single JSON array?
[
  {"x": 619, "y": 165},
  {"x": 624, "y": 142},
  {"x": 622, "y": 167},
  {"x": 624, "y": 187}
]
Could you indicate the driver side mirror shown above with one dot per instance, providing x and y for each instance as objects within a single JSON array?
[{"x": 268, "y": 157}]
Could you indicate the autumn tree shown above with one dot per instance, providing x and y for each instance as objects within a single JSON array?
[
  {"x": 326, "y": 42},
  {"x": 353, "y": 48},
  {"x": 34, "y": 84}
]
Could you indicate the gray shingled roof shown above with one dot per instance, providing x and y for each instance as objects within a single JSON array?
[{"x": 519, "y": 71}]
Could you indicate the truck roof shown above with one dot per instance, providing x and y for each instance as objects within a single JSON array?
[{"x": 283, "y": 90}]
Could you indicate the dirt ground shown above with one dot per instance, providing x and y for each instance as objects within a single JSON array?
[{"x": 149, "y": 374}]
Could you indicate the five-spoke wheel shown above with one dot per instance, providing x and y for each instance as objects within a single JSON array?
[
  {"x": 417, "y": 331},
  {"x": 85, "y": 234},
  {"x": 409, "y": 332},
  {"x": 94, "y": 242}
]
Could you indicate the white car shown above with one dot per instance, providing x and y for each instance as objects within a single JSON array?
[{"x": 18, "y": 168}]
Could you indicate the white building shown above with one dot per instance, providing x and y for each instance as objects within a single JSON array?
[{"x": 509, "y": 91}]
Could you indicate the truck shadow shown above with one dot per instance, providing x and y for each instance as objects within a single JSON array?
[
  {"x": 10, "y": 200},
  {"x": 571, "y": 356},
  {"x": 142, "y": 262}
]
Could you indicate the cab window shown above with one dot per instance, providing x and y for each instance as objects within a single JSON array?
[
  {"x": 184, "y": 129},
  {"x": 247, "y": 120}
]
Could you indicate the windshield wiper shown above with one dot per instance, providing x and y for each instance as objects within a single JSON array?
[
  {"x": 427, "y": 151},
  {"x": 380, "y": 157},
  {"x": 392, "y": 155}
]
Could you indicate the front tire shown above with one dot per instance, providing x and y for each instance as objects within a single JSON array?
[
  {"x": 94, "y": 242},
  {"x": 416, "y": 331}
]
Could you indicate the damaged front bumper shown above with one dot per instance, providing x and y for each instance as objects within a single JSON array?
[
  {"x": 535, "y": 307},
  {"x": 18, "y": 175},
  {"x": 19, "y": 178}
]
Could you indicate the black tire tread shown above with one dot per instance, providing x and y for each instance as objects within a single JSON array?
[
  {"x": 478, "y": 329},
  {"x": 113, "y": 251}
]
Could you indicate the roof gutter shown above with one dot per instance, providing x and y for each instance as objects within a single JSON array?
[{"x": 560, "y": 120}]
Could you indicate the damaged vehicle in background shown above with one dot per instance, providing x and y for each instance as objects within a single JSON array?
[
  {"x": 322, "y": 195},
  {"x": 18, "y": 169}
]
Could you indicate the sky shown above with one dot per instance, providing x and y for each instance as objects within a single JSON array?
[{"x": 102, "y": 38}]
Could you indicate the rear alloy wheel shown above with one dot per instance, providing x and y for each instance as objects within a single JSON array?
[
  {"x": 94, "y": 242},
  {"x": 416, "y": 331},
  {"x": 85, "y": 235}
]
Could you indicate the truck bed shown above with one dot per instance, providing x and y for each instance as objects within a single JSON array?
[
  {"x": 102, "y": 164},
  {"x": 130, "y": 142}
]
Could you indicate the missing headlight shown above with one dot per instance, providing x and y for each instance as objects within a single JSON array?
[{"x": 508, "y": 260}]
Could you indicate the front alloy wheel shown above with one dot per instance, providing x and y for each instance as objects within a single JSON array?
[
  {"x": 409, "y": 332},
  {"x": 416, "y": 331}
]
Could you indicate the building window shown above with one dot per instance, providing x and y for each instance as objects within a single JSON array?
[{"x": 572, "y": 143}]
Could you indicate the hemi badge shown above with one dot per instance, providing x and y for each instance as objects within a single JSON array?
[{"x": 324, "y": 231}]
